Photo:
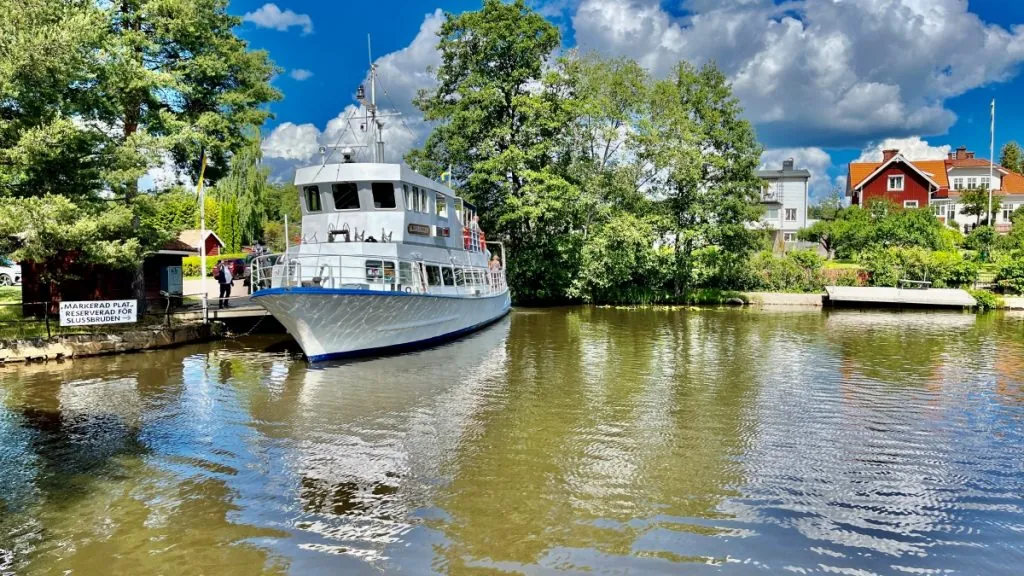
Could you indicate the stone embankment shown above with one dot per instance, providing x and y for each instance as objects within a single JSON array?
[
  {"x": 783, "y": 299},
  {"x": 78, "y": 345}
]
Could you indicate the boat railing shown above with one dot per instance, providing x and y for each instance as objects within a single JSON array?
[{"x": 378, "y": 273}]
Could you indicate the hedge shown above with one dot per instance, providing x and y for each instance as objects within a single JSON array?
[{"x": 190, "y": 265}]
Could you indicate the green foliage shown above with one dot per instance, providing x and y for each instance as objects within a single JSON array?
[
  {"x": 828, "y": 207},
  {"x": 229, "y": 227},
  {"x": 975, "y": 203},
  {"x": 173, "y": 211},
  {"x": 45, "y": 228},
  {"x": 619, "y": 263},
  {"x": 191, "y": 266},
  {"x": 796, "y": 271},
  {"x": 887, "y": 266},
  {"x": 987, "y": 300},
  {"x": 241, "y": 194},
  {"x": 1010, "y": 275},
  {"x": 1011, "y": 157},
  {"x": 981, "y": 238}
]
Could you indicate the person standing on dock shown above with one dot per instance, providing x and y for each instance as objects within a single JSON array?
[{"x": 222, "y": 274}]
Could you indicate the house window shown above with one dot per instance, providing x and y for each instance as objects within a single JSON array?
[
  {"x": 984, "y": 181},
  {"x": 346, "y": 196},
  {"x": 790, "y": 214},
  {"x": 910, "y": 204},
  {"x": 972, "y": 182},
  {"x": 383, "y": 195},
  {"x": 895, "y": 183},
  {"x": 939, "y": 210},
  {"x": 441, "y": 204},
  {"x": 312, "y": 198},
  {"x": 958, "y": 183},
  {"x": 772, "y": 214},
  {"x": 789, "y": 236},
  {"x": 1008, "y": 211}
]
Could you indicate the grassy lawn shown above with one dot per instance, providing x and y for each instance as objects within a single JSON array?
[{"x": 10, "y": 295}]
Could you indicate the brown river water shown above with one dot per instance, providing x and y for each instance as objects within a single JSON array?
[{"x": 570, "y": 440}]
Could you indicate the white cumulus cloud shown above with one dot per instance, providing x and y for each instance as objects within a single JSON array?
[
  {"x": 401, "y": 74},
  {"x": 818, "y": 72},
  {"x": 270, "y": 16},
  {"x": 300, "y": 74},
  {"x": 913, "y": 148}
]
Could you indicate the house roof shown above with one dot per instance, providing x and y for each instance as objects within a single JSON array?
[
  {"x": 974, "y": 163},
  {"x": 933, "y": 170},
  {"x": 191, "y": 237},
  {"x": 801, "y": 173}
]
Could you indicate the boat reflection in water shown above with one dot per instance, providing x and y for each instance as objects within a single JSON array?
[{"x": 377, "y": 435}]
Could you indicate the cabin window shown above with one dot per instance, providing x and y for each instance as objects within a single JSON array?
[
  {"x": 405, "y": 274},
  {"x": 434, "y": 275},
  {"x": 910, "y": 204},
  {"x": 312, "y": 194},
  {"x": 377, "y": 270},
  {"x": 346, "y": 196},
  {"x": 459, "y": 209},
  {"x": 449, "y": 278},
  {"x": 460, "y": 277},
  {"x": 895, "y": 183},
  {"x": 441, "y": 204},
  {"x": 415, "y": 199},
  {"x": 383, "y": 195}
]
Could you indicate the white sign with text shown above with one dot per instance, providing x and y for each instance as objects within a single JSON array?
[{"x": 97, "y": 312}]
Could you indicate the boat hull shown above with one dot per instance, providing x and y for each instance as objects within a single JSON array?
[{"x": 339, "y": 323}]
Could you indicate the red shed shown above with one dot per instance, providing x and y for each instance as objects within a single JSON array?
[{"x": 213, "y": 242}]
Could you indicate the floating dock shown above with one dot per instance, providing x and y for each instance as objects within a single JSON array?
[{"x": 910, "y": 297}]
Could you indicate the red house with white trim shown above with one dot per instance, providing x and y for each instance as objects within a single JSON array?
[{"x": 906, "y": 183}]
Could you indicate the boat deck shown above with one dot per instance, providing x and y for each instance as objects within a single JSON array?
[{"x": 930, "y": 297}]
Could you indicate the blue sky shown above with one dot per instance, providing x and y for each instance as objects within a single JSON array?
[{"x": 823, "y": 81}]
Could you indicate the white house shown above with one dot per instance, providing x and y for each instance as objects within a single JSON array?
[
  {"x": 966, "y": 172},
  {"x": 784, "y": 195}
]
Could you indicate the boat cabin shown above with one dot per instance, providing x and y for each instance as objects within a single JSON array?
[{"x": 388, "y": 203}]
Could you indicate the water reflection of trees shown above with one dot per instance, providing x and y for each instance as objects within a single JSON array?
[
  {"x": 581, "y": 458},
  {"x": 102, "y": 479}
]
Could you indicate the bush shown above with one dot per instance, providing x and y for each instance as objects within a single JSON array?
[
  {"x": 797, "y": 271},
  {"x": 190, "y": 265},
  {"x": 986, "y": 300},
  {"x": 1011, "y": 275},
  {"x": 888, "y": 266},
  {"x": 981, "y": 238}
]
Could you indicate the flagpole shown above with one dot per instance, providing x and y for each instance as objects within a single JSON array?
[
  {"x": 202, "y": 235},
  {"x": 991, "y": 163}
]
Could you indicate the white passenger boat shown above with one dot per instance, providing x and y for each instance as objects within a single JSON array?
[{"x": 389, "y": 259}]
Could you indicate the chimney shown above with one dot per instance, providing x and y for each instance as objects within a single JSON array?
[
  {"x": 961, "y": 153},
  {"x": 787, "y": 164},
  {"x": 888, "y": 154},
  {"x": 952, "y": 155},
  {"x": 970, "y": 155}
]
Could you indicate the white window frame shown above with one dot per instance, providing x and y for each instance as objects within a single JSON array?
[
  {"x": 984, "y": 182},
  {"x": 789, "y": 236},
  {"x": 893, "y": 178},
  {"x": 939, "y": 210},
  {"x": 911, "y": 204},
  {"x": 972, "y": 182},
  {"x": 787, "y": 212},
  {"x": 958, "y": 183},
  {"x": 1007, "y": 211}
]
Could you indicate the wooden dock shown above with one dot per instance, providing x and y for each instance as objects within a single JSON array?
[{"x": 910, "y": 297}]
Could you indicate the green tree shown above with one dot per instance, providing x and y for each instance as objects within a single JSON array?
[
  {"x": 1011, "y": 157},
  {"x": 975, "y": 202},
  {"x": 821, "y": 232},
  {"x": 229, "y": 225},
  {"x": 175, "y": 210},
  {"x": 620, "y": 263},
  {"x": 499, "y": 133},
  {"x": 246, "y": 186},
  {"x": 695, "y": 136},
  {"x": 827, "y": 207}
]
